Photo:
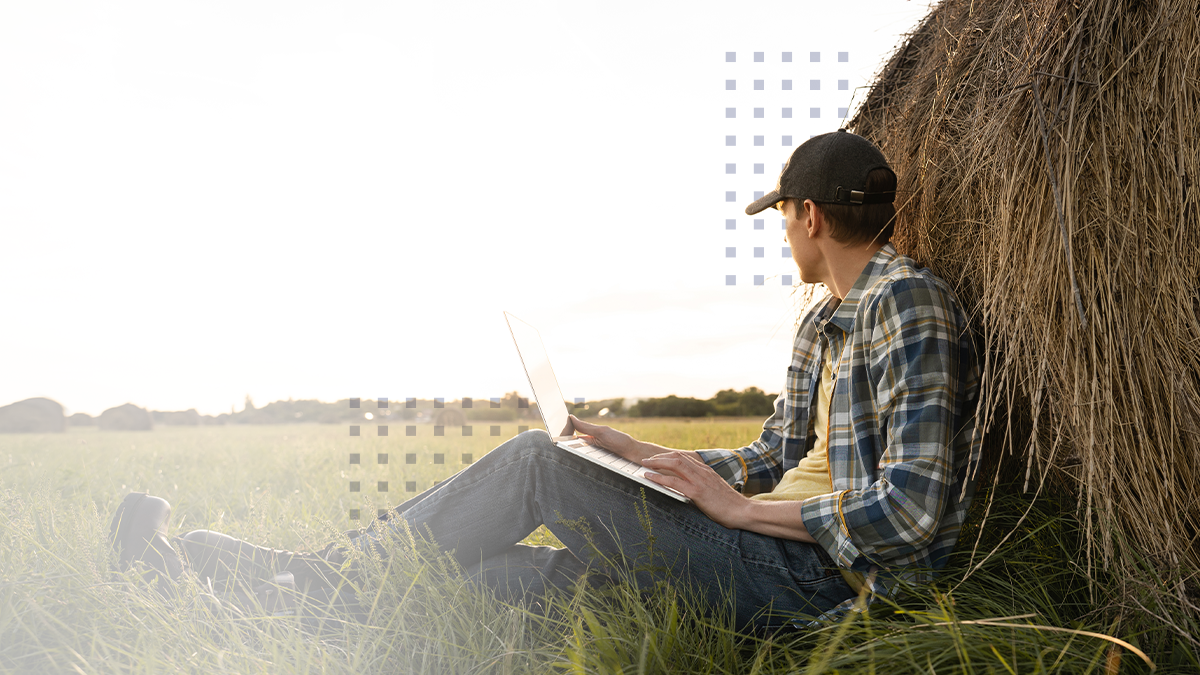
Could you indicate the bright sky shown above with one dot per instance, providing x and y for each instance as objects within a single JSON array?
[{"x": 203, "y": 200}]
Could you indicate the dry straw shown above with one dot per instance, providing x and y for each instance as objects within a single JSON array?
[{"x": 1048, "y": 160}]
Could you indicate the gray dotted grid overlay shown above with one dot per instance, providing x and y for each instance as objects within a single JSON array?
[
  {"x": 410, "y": 458},
  {"x": 773, "y": 100}
]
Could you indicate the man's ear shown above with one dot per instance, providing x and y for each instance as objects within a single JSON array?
[{"x": 816, "y": 218}]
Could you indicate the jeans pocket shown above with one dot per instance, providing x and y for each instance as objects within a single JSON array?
[{"x": 808, "y": 563}]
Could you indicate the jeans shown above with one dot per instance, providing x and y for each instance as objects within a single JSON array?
[{"x": 484, "y": 511}]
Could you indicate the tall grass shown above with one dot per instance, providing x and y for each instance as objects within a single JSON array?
[{"x": 61, "y": 610}]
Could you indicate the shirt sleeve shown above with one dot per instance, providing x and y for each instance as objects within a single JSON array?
[
  {"x": 758, "y": 467},
  {"x": 913, "y": 363}
]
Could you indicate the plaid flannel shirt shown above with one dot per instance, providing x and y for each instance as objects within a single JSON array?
[{"x": 903, "y": 445}]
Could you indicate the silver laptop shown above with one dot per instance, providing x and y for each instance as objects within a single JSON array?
[{"x": 554, "y": 410}]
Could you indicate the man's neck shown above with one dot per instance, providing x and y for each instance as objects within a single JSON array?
[{"x": 845, "y": 265}]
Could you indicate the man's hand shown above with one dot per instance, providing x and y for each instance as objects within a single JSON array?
[
  {"x": 677, "y": 469},
  {"x": 686, "y": 472},
  {"x": 610, "y": 439}
]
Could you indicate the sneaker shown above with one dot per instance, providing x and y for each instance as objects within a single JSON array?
[{"x": 138, "y": 533}]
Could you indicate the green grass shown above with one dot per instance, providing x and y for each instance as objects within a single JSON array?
[{"x": 287, "y": 486}]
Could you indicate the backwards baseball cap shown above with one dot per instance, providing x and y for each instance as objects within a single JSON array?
[{"x": 829, "y": 169}]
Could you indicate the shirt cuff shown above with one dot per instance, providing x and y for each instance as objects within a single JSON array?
[
  {"x": 716, "y": 456},
  {"x": 823, "y": 520}
]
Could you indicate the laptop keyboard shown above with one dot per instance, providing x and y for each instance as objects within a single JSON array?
[{"x": 610, "y": 458}]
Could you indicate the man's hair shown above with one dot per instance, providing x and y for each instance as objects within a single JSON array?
[{"x": 864, "y": 223}]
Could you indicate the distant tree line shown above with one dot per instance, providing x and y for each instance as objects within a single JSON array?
[
  {"x": 46, "y": 415},
  {"x": 750, "y": 402}
]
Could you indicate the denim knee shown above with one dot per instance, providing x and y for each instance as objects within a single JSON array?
[{"x": 534, "y": 440}]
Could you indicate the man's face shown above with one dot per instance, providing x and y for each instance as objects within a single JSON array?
[{"x": 797, "y": 239}]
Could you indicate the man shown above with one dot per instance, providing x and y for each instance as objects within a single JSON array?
[{"x": 861, "y": 478}]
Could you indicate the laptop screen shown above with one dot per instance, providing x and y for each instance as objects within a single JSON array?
[{"x": 541, "y": 378}]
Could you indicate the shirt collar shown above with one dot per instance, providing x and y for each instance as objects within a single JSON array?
[{"x": 841, "y": 314}]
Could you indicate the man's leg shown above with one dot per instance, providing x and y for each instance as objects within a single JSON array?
[{"x": 483, "y": 512}]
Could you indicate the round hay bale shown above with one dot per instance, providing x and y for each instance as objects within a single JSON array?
[
  {"x": 127, "y": 417},
  {"x": 1048, "y": 154},
  {"x": 33, "y": 415},
  {"x": 187, "y": 418},
  {"x": 81, "y": 419},
  {"x": 449, "y": 417}
]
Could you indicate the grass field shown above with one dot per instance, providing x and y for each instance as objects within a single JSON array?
[{"x": 289, "y": 487}]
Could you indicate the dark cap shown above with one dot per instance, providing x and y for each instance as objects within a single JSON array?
[{"x": 829, "y": 169}]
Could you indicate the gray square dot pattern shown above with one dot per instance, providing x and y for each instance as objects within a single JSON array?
[
  {"x": 731, "y": 140},
  {"x": 758, "y": 113},
  {"x": 787, "y": 252},
  {"x": 758, "y": 168},
  {"x": 787, "y": 141},
  {"x": 731, "y": 196},
  {"x": 758, "y": 252},
  {"x": 814, "y": 112},
  {"x": 730, "y": 57},
  {"x": 730, "y": 85},
  {"x": 758, "y": 85},
  {"x": 730, "y": 251},
  {"x": 843, "y": 57},
  {"x": 758, "y": 57},
  {"x": 814, "y": 85},
  {"x": 787, "y": 85},
  {"x": 787, "y": 57},
  {"x": 758, "y": 280},
  {"x": 787, "y": 280},
  {"x": 787, "y": 113},
  {"x": 758, "y": 224},
  {"x": 843, "y": 85},
  {"x": 731, "y": 168},
  {"x": 758, "y": 140},
  {"x": 730, "y": 113},
  {"x": 730, "y": 279},
  {"x": 814, "y": 57},
  {"x": 731, "y": 223}
]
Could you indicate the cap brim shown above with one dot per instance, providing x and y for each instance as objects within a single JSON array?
[{"x": 765, "y": 202}]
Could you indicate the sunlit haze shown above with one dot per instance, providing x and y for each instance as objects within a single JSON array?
[{"x": 204, "y": 200}]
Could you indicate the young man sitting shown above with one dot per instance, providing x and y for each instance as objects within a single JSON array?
[{"x": 861, "y": 477}]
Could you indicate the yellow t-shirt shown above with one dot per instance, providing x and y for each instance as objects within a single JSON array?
[{"x": 811, "y": 477}]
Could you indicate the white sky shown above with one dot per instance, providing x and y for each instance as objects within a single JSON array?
[{"x": 201, "y": 200}]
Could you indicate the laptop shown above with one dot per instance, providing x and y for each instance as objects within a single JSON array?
[{"x": 554, "y": 413}]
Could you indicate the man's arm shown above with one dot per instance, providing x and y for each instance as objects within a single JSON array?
[
  {"x": 774, "y": 519},
  {"x": 914, "y": 364}
]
